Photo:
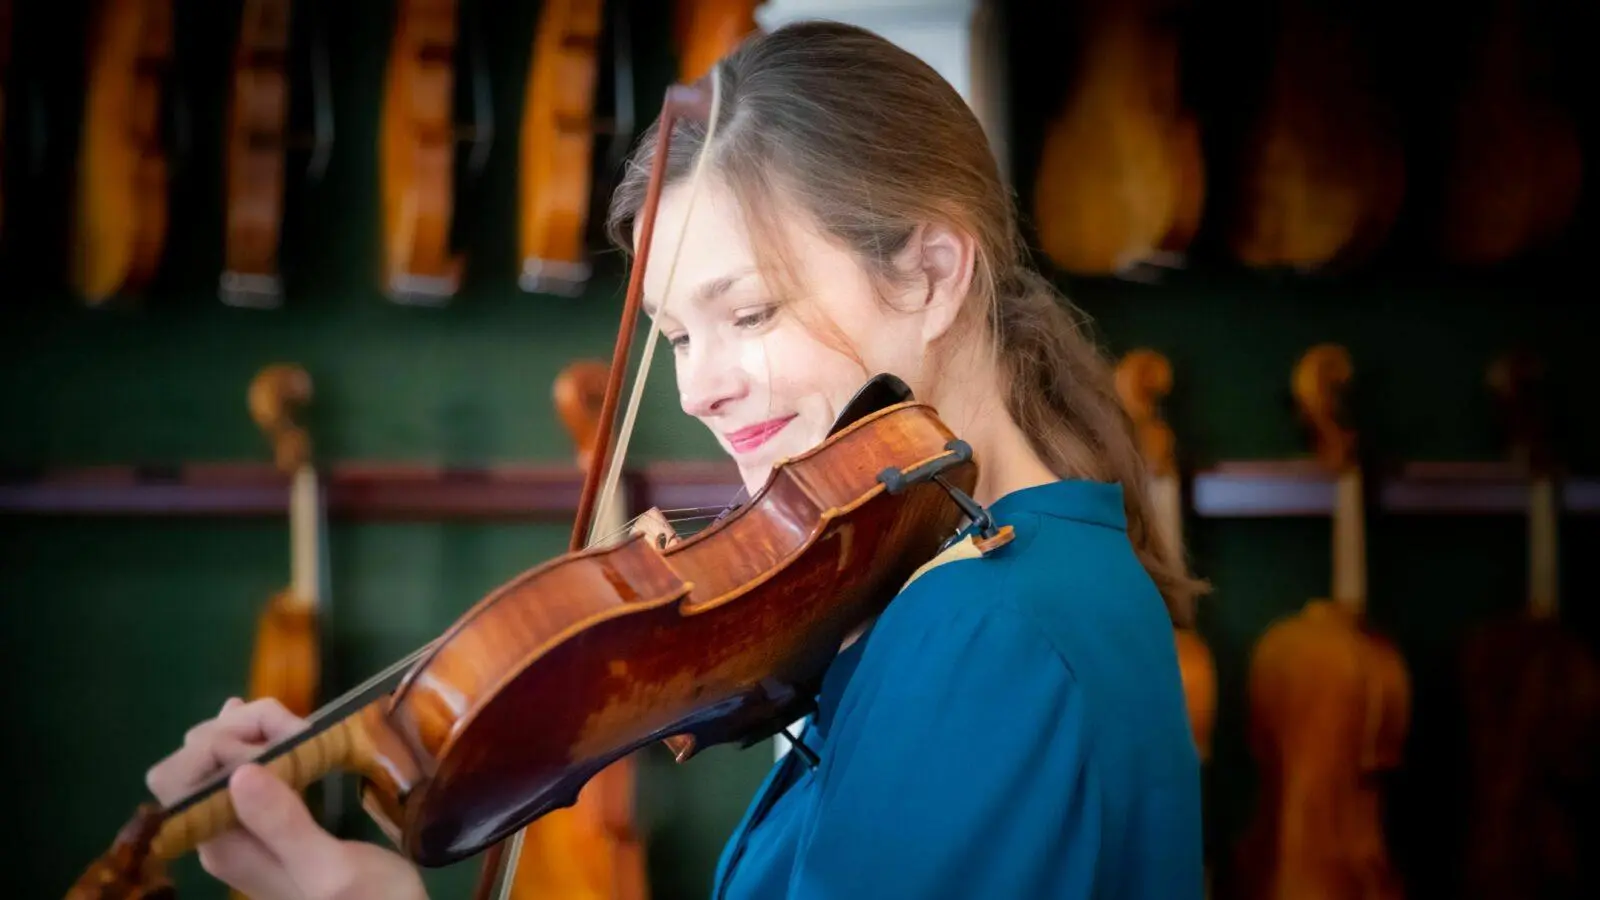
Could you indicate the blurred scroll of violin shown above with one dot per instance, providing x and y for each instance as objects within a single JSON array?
[
  {"x": 1121, "y": 181},
  {"x": 559, "y": 124},
  {"x": 1532, "y": 697},
  {"x": 1321, "y": 171},
  {"x": 1330, "y": 701},
  {"x": 119, "y": 228},
  {"x": 258, "y": 140},
  {"x": 1143, "y": 377},
  {"x": 417, "y": 151},
  {"x": 1514, "y": 168}
]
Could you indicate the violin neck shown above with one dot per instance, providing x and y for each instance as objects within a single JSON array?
[
  {"x": 1349, "y": 542},
  {"x": 1543, "y": 540},
  {"x": 305, "y": 514},
  {"x": 1166, "y": 496},
  {"x": 346, "y": 744}
]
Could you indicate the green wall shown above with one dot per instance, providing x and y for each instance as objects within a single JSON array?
[{"x": 119, "y": 633}]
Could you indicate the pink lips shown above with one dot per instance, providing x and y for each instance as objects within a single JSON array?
[{"x": 749, "y": 438}]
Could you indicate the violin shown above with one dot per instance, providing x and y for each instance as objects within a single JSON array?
[
  {"x": 1321, "y": 169},
  {"x": 1121, "y": 178},
  {"x": 720, "y": 637},
  {"x": 1330, "y": 701},
  {"x": 119, "y": 229},
  {"x": 592, "y": 848},
  {"x": 1143, "y": 377},
  {"x": 285, "y": 664},
  {"x": 707, "y": 30},
  {"x": 1532, "y": 698},
  {"x": 1514, "y": 170},
  {"x": 257, "y": 144},
  {"x": 559, "y": 126},
  {"x": 417, "y": 153}
]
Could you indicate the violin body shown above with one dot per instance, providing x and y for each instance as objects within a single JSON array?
[
  {"x": 707, "y": 30},
  {"x": 120, "y": 219},
  {"x": 1533, "y": 719},
  {"x": 1331, "y": 705},
  {"x": 1122, "y": 177},
  {"x": 557, "y": 147},
  {"x": 258, "y": 115},
  {"x": 1199, "y": 673},
  {"x": 417, "y": 155},
  {"x": 1321, "y": 170}
]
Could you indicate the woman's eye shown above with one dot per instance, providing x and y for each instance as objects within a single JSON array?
[
  {"x": 752, "y": 319},
  {"x": 678, "y": 341}
]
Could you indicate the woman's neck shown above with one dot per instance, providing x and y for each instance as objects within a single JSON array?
[{"x": 971, "y": 401}]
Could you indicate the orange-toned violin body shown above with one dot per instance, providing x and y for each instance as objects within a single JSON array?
[
  {"x": 417, "y": 155},
  {"x": 707, "y": 30},
  {"x": 1330, "y": 705},
  {"x": 557, "y": 146},
  {"x": 1121, "y": 175},
  {"x": 120, "y": 213},
  {"x": 258, "y": 116}
]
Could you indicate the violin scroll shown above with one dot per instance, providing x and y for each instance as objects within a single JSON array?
[
  {"x": 1320, "y": 380},
  {"x": 274, "y": 392},
  {"x": 1517, "y": 382},
  {"x": 1143, "y": 378},
  {"x": 579, "y": 393}
]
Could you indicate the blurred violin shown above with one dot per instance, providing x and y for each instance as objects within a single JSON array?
[
  {"x": 558, "y": 130},
  {"x": 258, "y": 141},
  {"x": 417, "y": 151},
  {"x": 1121, "y": 180},
  {"x": 707, "y": 30},
  {"x": 1514, "y": 168},
  {"x": 119, "y": 229},
  {"x": 1330, "y": 701},
  {"x": 1532, "y": 695},
  {"x": 1143, "y": 377},
  {"x": 591, "y": 849},
  {"x": 1321, "y": 169},
  {"x": 721, "y": 637}
]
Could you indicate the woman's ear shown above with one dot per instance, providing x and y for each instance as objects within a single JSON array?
[{"x": 946, "y": 257}]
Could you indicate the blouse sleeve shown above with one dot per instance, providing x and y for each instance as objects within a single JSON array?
[{"x": 956, "y": 765}]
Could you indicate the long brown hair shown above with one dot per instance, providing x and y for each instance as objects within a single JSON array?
[{"x": 871, "y": 142}]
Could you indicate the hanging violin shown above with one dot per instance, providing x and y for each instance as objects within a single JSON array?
[
  {"x": 1330, "y": 701},
  {"x": 417, "y": 151},
  {"x": 721, "y": 637},
  {"x": 258, "y": 142},
  {"x": 1532, "y": 697},
  {"x": 120, "y": 209}
]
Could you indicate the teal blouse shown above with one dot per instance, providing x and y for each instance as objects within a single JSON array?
[{"x": 1010, "y": 727}]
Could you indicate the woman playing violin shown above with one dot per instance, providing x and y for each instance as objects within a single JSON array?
[{"x": 1010, "y": 726}]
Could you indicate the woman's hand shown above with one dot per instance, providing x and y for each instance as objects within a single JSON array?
[{"x": 278, "y": 852}]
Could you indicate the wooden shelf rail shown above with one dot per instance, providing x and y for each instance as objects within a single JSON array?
[{"x": 1253, "y": 489}]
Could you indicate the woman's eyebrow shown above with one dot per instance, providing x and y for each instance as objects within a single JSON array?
[{"x": 708, "y": 291}]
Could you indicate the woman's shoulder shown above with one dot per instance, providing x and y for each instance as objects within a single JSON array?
[{"x": 1069, "y": 574}]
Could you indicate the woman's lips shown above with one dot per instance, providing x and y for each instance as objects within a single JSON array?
[{"x": 750, "y": 437}]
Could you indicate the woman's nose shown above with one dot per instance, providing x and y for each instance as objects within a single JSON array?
[{"x": 707, "y": 385}]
